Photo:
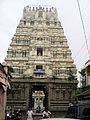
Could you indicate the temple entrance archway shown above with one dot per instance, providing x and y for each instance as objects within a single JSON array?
[{"x": 38, "y": 97}]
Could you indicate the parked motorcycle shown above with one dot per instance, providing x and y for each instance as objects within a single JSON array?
[
  {"x": 13, "y": 116},
  {"x": 8, "y": 116}
]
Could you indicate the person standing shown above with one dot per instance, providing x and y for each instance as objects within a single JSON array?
[{"x": 29, "y": 113}]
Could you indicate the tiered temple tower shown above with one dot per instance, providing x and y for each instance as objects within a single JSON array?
[{"x": 41, "y": 59}]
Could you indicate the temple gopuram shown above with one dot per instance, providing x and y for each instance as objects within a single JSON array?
[{"x": 44, "y": 72}]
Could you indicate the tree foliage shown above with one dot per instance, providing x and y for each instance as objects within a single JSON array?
[{"x": 82, "y": 72}]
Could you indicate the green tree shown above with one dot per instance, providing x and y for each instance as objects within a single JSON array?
[{"x": 83, "y": 74}]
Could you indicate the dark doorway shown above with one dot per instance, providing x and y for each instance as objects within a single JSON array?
[
  {"x": 40, "y": 51},
  {"x": 39, "y": 88}
]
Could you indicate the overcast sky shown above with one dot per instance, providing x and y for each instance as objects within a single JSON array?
[{"x": 69, "y": 16}]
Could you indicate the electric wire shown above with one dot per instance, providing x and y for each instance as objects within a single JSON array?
[
  {"x": 81, "y": 56},
  {"x": 83, "y": 28},
  {"x": 81, "y": 60},
  {"x": 79, "y": 51}
]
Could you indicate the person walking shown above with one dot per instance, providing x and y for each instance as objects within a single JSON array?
[{"x": 46, "y": 114}]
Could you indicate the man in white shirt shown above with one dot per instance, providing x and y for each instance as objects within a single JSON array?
[{"x": 30, "y": 113}]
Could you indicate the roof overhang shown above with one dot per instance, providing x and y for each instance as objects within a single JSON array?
[{"x": 3, "y": 81}]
